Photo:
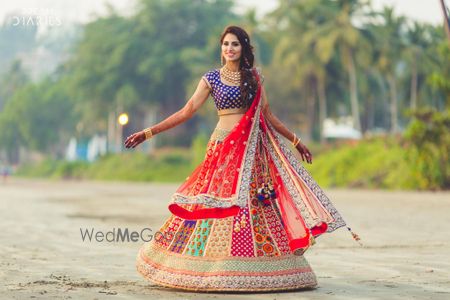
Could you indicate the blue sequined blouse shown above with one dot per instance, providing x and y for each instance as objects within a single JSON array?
[{"x": 225, "y": 96}]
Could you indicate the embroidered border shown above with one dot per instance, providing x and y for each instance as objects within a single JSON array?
[
  {"x": 244, "y": 181},
  {"x": 309, "y": 220},
  {"x": 311, "y": 183},
  {"x": 230, "y": 273}
]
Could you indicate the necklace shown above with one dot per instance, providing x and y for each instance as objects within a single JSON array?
[{"x": 233, "y": 77}]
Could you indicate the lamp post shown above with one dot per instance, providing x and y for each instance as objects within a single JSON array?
[{"x": 122, "y": 120}]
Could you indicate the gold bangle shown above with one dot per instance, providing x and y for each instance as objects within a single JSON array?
[
  {"x": 148, "y": 133},
  {"x": 295, "y": 138}
]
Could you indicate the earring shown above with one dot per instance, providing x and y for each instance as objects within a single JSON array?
[{"x": 222, "y": 60}]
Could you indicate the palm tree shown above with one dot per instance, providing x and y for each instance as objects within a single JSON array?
[
  {"x": 389, "y": 47},
  {"x": 306, "y": 54},
  {"x": 446, "y": 18},
  {"x": 417, "y": 38},
  {"x": 346, "y": 37},
  {"x": 339, "y": 32}
]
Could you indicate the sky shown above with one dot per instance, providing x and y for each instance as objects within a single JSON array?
[{"x": 69, "y": 11}]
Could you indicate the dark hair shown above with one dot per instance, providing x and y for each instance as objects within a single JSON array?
[{"x": 249, "y": 84}]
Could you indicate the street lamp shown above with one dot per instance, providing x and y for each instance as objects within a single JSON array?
[{"x": 122, "y": 120}]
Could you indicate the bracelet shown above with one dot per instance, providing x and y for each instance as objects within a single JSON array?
[
  {"x": 148, "y": 133},
  {"x": 296, "y": 140}
]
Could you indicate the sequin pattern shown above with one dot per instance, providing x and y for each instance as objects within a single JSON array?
[
  {"x": 225, "y": 96},
  {"x": 196, "y": 246}
]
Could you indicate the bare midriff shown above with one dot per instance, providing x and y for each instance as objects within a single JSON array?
[{"x": 228, "y": 122}]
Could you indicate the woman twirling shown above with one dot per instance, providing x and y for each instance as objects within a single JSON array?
[{"x": 244, "y": 217}]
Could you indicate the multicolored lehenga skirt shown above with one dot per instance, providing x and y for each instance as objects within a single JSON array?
[
  {"x": 246, "y": 252},
  {"x": 242, "y": 220}
]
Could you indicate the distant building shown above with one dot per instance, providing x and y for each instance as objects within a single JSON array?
[
  {"x": 88, "y": 151},
  {"x": 340, "y": 129}
]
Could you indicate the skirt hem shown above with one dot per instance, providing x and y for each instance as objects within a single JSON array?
[
  {"x": 241, "y": 275},
  {"x": 307, "y": 286}
]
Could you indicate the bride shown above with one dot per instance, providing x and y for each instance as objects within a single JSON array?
[{"x": 243, "y": 218}]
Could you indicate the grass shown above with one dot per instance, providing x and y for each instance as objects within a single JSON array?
[{"x": 370, "y": 163}]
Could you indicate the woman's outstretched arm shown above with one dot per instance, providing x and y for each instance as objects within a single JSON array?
[
  {"x": 195, "y": 102},
  {"x": 198, "y": 98},
  {"x": 282, "y": 129}
]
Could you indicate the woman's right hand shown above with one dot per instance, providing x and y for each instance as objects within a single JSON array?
[{"x": 135, "y": 139}]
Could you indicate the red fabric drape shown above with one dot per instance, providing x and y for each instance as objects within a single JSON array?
[{"x": 220, "y": 185}]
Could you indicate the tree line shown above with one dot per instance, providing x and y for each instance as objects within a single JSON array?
[{"x": 320, "y": 58}]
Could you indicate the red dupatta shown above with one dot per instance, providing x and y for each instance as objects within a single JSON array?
[{"x": 220, "y": 186}]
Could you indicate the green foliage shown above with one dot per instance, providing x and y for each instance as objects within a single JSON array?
[
  {"x": 419, "y": 161},
  {"x": 381, "y": 162},
  {"x": 133, "y": 63},
  {"x": 38, "y": 116},
  {"x": 429, "y": 136},
  {"x": 440, "y": 76},
  {"x": 198, "y": 148},
  {"x": 372, "y": 163},
  {"x": 167, "y": 166}
]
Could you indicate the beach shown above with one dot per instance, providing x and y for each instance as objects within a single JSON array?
[{"x": 405, "y": 235}]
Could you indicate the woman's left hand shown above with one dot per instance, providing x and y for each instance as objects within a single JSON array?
[{"x": 304, "y": 152}]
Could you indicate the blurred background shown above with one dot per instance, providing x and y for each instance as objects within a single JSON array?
[{"x": 365, "y": 84}]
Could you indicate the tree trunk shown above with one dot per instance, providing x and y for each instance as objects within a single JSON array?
[
  {"x": 370, "y": 113},
  {"x": 310, "y": 104},
  {"x": 413, "y": 96},
  {"x": 446, "y": 19},
  {"x": 393, "y": 107},
  {"x": 353, "y": 90},
  {"x": 322, "y": 107},
  {"x": 111, "y": 131}
]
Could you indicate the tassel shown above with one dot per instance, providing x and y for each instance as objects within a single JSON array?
[
  {"x": 312, "y": 240},
  {"x": 355, "y": 236}
]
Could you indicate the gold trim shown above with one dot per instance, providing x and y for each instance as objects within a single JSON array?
[
  {"x": 229, "y": 111},
  {"x": 146, "y": 274},
  {"x": 207, "y": 83}
]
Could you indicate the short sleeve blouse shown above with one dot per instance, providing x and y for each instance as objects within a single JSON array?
[{"x": 225, "y": 96}]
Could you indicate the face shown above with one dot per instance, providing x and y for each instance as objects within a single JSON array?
[{"x": 231, "y": 47}]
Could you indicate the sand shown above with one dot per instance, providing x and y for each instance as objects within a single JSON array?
[{"x": 405, "y": 252}]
